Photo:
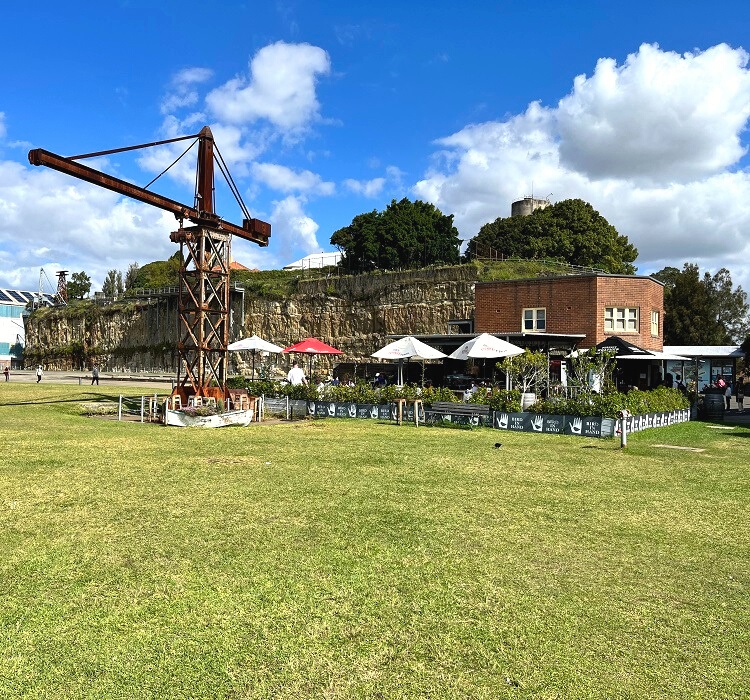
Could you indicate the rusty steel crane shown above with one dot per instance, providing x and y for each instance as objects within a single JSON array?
[{"x": 203, "y": 301}]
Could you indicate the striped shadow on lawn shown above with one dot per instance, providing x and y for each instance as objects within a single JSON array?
[{"x": 358, "y": 559}]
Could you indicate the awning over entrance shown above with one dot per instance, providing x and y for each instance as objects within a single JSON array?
[
  {"x": 625, "y": 350},
  {"x": 552, "y": 343}
]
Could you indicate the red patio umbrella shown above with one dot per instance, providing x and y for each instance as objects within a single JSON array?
[{"x": 312, "y": 346}]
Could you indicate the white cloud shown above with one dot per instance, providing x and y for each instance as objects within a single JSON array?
[
  {"x": 368, "y": 188},
  {"x": 292, "y": 230},
  {"x": 283, "y": 179},
  {"x": 654, "y": 145},
  {"x": 182, "y": 92},
  {"x": 659, "y": 115},
  {"x": 394, "y": 180},
  {"x": 280, "y": 88},
  {"x": 66, "y": 224}
]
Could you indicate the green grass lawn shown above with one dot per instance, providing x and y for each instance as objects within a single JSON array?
[{"x": 357, "y": 559}]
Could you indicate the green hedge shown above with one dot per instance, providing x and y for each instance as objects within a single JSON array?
[
  {"x": 609, "y": 405},
  {"x": 361, "y": 393},
  {"x": 606, "y": 405},
  {"x": 498, "y": 399}
]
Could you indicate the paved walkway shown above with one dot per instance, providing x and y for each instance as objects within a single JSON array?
[
  {"x": 157, "y": 381},
  {"x": 736, "y": 417}
]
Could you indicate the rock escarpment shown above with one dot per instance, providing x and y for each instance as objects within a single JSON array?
[{"x": 356, "y": 314}]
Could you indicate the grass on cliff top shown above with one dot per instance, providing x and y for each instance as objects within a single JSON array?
[{"x": 357, "y": 559}]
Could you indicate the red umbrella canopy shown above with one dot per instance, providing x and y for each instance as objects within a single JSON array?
[{"x": 313, "y": 346}]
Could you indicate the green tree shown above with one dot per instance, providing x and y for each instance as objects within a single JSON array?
[
  {"x": 406, "y": 235},
  {"x": 131, "y": 275},
  {"x": 78, "y": 286},
  {"x": 704, "y": 310},
  {"x": 160, "y": 273},
  {"x": 527, "y": 371},
  {"x": 571, "y": 231},
  {"x": 112, "y": 286}
]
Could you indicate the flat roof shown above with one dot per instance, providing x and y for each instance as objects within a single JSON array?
[
  {"x": 571, "y": 276},
  {"x": 705, "y": 350},
  {"x": 458, "y": 339}
]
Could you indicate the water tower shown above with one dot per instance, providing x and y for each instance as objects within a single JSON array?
[{"x": 528, "y": 205}]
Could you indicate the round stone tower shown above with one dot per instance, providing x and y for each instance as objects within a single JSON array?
[{"x": 527, "y": 206}]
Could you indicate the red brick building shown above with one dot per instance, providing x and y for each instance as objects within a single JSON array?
[{"x": 597, "y": 305}]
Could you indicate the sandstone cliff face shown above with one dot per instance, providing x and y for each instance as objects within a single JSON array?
[{"x": 353, "y": 313}]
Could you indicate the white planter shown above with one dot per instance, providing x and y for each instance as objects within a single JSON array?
[{"x": 527, "y": 399}]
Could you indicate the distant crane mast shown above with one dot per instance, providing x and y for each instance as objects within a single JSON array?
[
  {"x": 62, "y": 286},
  {"x": 203, "y": 302}
]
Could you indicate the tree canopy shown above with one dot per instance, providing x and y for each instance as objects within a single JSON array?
[
  {"x": 112, "y": 285},
  {"x": 406, "y": 235},
  {"x": 131, "y": 275},
  {"x": 78, "y": 286},
  {"x": 160, "y": 273},
  {"x": 571, "y": 231},
  {"x": 702, "y": 311}
]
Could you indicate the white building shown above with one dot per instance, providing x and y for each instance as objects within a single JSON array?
[
  {"x": 13, "y": 303},
  {"x": 315, "y": 261}
]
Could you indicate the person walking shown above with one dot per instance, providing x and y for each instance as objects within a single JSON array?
[
  {"x": 296, "y": 376},
  {"x": 39, "y": 374},
  {"x": 95, "y": 375}
]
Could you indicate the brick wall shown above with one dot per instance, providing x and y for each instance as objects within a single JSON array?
[
  {"x": 642, "y": 292},
  {"x": 574, "y": 305}
]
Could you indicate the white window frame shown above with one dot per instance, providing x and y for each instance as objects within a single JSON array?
[
  {"x": 655, "y": 322},
  {"x": 621, "y": 319},
  {"x": 536, "y": 314}
]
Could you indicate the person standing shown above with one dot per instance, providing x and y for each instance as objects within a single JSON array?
[
  {"x": 296, "y": 376},
  {"x": 39, "y": 374},
  {"x": 728, "y": 395},
  {"x": 741, "y": 396},
  {"x": 95, "y": 375},
  {"x": 6, "y": 372}
]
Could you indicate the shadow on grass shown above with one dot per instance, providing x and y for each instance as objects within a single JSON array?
[{"x": 88, "y": 396}]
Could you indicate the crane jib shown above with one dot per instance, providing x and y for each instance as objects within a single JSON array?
[{"x": 252, "y": 229}]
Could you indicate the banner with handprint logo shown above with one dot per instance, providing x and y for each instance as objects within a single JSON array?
[
  {"x": 586, "y": 426},
  {"x": 553, "y": 424}
]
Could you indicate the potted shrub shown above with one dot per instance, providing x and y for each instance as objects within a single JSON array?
[{"x": 526, "y": 371}]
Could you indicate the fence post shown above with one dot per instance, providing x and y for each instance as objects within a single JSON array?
[
  {"x": 119, "y": 408},
  {"x": 143, "y": 401},
  {"x": 624, "y": 415},
  {"x": 287, "y": 406}
]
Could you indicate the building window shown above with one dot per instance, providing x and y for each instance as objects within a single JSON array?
[
  {"x": 534, "y": 320},
  {"x": 460, "y": 326},
  {"x": 619, "y": 319},
  {"x": 655, "y": 323}
]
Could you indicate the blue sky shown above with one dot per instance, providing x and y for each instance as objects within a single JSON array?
[{"x": 325, "y": 110}]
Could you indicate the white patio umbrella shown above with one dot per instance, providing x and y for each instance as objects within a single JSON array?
[
  {"x": 254, "y": 344},
  {"x": 485, "y": 345},
  {"x": 407, "y": 348}
]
